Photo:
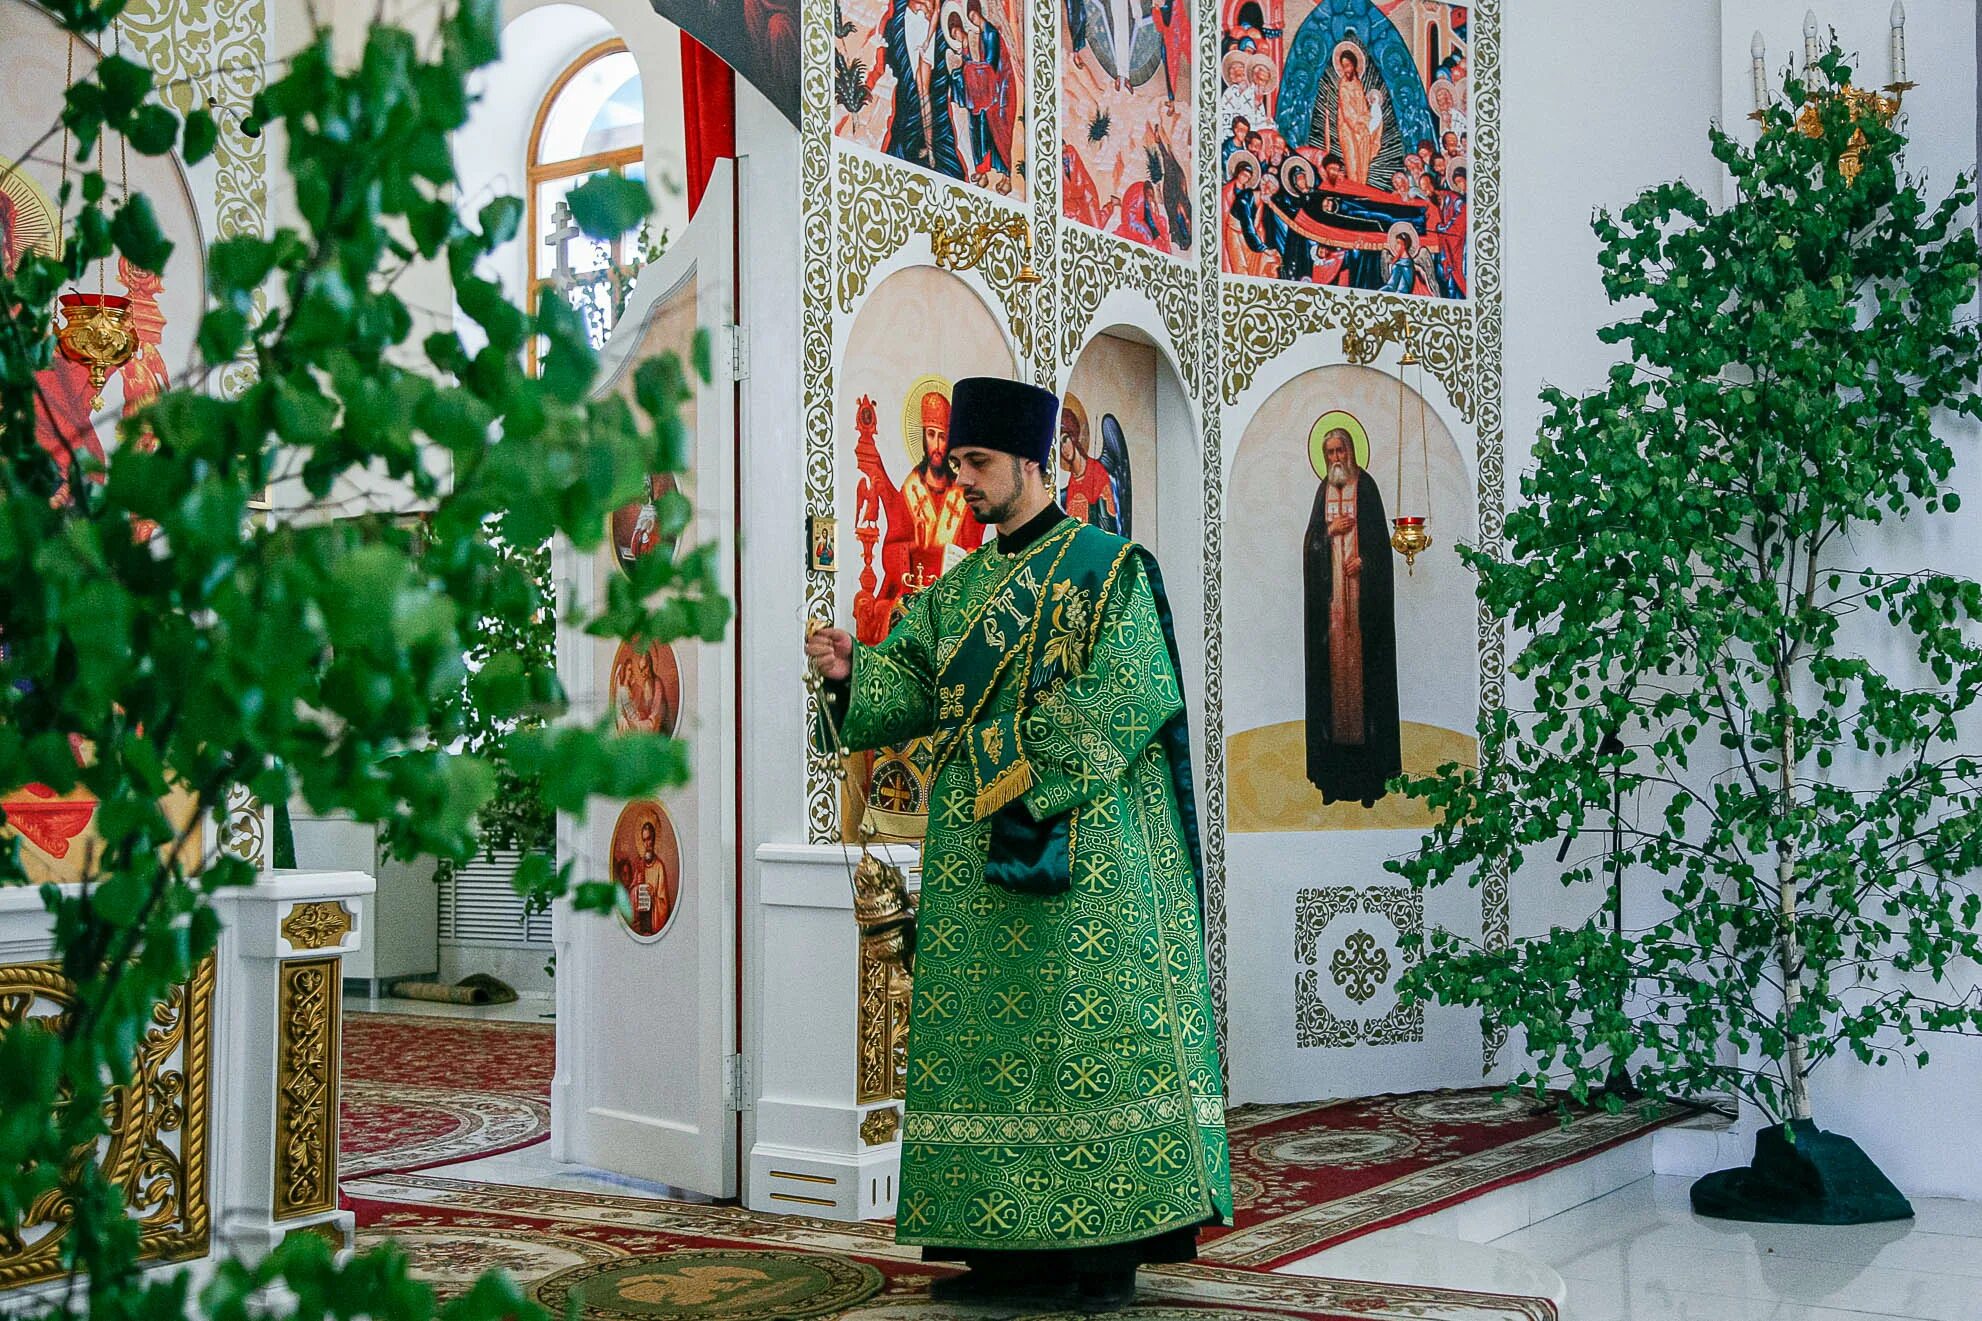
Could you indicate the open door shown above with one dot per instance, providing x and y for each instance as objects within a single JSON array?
[{"x": 646, "y": 1010}]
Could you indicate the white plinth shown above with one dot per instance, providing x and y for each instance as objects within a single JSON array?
[
  {"x": 806, "y": 1154},
  {"x": 254, "y": 949}
]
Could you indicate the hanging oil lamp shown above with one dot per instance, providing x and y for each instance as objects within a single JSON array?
[
  {"x": 96, "y": 333},
  {"x": 96, "y": 330},
  {"x": 1411, "y": 534}
]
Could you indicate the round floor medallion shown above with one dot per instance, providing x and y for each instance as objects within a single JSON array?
[
  {"x": 713, "y": 1285},
  {"x": 1466, "y": 1108},
  {"x": 1345, "y": 1148},
  {"x": 452, "y": 1258}
]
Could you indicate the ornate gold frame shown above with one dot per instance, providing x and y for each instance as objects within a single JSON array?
[
  {"x": 170, "y": 1092},
  {"x": 308, "y": 1010}
]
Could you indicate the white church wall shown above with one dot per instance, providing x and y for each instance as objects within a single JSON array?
[
  {"x": 1902, "y": 1114},
  {"x": 1568, "y": 153}
]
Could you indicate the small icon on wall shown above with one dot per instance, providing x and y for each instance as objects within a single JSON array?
[{"x": 822, "y": 537}]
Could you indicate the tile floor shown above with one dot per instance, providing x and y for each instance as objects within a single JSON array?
[{"x": 1640, "y": 1254}]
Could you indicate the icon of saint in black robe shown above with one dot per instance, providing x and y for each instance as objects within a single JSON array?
[{"x": 1353, "y": 737}]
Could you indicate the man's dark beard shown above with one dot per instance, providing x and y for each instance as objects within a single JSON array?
[{"x": 995, "y": 514}]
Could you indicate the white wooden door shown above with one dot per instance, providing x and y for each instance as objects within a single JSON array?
[{"x": 646, "y": 1011}]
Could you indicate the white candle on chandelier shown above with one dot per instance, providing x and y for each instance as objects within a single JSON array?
[
  {"x": 1899, "y": 42},
  {"x": 1810, "y": 50},
  {"x": 1758, "y": 63}
]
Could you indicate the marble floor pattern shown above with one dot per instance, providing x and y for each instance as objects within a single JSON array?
[{"x": 1640, "y": 1254}]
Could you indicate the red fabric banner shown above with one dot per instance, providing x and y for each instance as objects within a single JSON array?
[{"x": 708, "y": 103}]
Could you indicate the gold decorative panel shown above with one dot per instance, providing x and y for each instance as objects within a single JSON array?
[
  {"x": 319, "y": 925},
  {"x": 307, "y": 1013},
  {"x": 881, "y": 205},
  {"x": 883, "y": 1027},
  {"x": 815, "y": 269},
  {"x": 881, "y": 1126},
  {"x": 159, "y": 1125},
  {"x": 1094, "y": 265}
]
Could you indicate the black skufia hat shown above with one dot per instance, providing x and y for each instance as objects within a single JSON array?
[{"x": 990, "y": 412}]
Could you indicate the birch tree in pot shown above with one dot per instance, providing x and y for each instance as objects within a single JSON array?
[{"x": 1688, "y": 572}]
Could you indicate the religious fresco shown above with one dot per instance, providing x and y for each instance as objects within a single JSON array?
[
  {"x": 921, "y": 330},
  {"x": 1235, "y": 342},
  {"x": 757, "y": 38},
  {"x": 1345, "y": 141},
  {"x": 73, "y": 415},
  {"x": 76, "y": 420},
  {"x": 1126, "y": 119},
  {"x": 1376, "y": 670},
  {"x": 646, "y": 864},
  {"x": 1106, "y": 459},
  {"x": 644, "y": 689},
  {"x": 936, "y": 83}
]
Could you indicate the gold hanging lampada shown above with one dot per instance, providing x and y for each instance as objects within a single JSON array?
[
  {"x": 964, "y": 246},
  {"x": 96, "y": 331},
  {"x": 1411, "y": 533}
]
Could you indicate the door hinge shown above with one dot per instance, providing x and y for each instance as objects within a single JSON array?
[
  {"x": 736, "y": 1084},
  {"x": 739, "y": 351}
]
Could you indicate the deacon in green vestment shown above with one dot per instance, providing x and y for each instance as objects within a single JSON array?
[{"x": 1065, "y": 1119}]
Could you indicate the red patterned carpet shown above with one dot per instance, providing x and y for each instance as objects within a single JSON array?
[
  {"x": 640, "y": 1259},
  {"x": 1306, "y": 1177},
  {"x": 422, "y": 1091}
]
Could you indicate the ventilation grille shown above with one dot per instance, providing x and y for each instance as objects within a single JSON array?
[{"x": 480, "y": 906}]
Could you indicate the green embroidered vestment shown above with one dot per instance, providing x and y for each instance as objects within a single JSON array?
[{"x": 1063, "y": 1078}]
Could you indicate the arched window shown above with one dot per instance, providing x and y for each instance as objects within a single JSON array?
[{"x": 592, "y": 121}]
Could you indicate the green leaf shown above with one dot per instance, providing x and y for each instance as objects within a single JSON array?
[
  {"x": 608, "y": 205},
  {"x": 125, "y": 85},
  {"x": 500, "y": 220},
  {"x": 153, "y": 130},
  {"x": 201, "y": 135},
  {"x": 136, "y": 231}
]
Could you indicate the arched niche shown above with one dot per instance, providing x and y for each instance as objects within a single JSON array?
[
  {"x": 1126, "y": 373},
  {"x": 1271, "y": 489},
  {"x": 917, "y": 333}
]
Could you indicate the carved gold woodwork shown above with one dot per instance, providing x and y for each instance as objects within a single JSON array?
[
  {"x": 881, "y": 1126},
  {"x": 322, "y": 924},
  {"x": 156, "y": 1151},
  {"x": 307, "y": 1005},
  {"x": 882, "y": 1039}
]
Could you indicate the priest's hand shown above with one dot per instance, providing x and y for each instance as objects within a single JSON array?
[
  {"x": 1353, "y": 566},
  {"x": 829, "y": 651},
  {"x": 1342, "y": 525}
]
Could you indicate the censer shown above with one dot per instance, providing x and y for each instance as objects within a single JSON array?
[
  {"x": 96, "y": 330},
  {"x": 881, "y": 904},
  {"x": 1411, "y": 536}
]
